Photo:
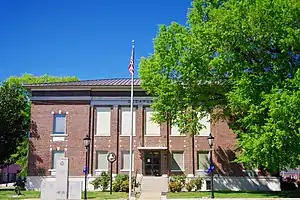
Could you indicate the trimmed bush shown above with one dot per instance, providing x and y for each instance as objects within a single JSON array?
[
  {"x": 101, "y": 181},
  {"x": 175, "y": 186},
  {"x": 198, "y": 183},
  {"x": 189, "y": 186}
]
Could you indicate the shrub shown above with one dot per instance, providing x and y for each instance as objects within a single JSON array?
[
  {"x": 175, "y": 186},
  {"x": 124, "y": 186},
  {"x": 121, "y": 183},
  {"x": 189, "y": 186},
  {"x": 198, "y": 183},
  {"x": 180, "y": 178},
  {"x": 101, "y": 181},
  {"x": 118, "y": 181}
]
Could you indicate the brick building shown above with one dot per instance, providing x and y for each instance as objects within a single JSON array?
[{"x": 63, "y": 113}]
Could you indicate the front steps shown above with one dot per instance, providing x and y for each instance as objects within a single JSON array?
[{"x": 152, "y": 187}]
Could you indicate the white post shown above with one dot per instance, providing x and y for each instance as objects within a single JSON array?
[{"x": 131, "y": 127}]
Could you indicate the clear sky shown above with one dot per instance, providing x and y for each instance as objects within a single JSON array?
[{"x": 89, "y": 39}]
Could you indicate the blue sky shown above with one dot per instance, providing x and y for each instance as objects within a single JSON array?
[{"x": 89, "y": 39}]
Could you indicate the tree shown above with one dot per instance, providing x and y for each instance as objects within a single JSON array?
[
  {"x": 230, "y": 60},
  {"x": 20, "y": 153},
  {"x": 13, "y": 120}
]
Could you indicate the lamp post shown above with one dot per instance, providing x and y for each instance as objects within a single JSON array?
[
  {"x": 86, "y": 141},
  {"x": 210, "y": 143}
]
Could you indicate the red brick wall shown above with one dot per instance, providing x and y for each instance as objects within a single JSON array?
[
  {"x": 77, "y": 127},
  {"x": 40, "y": 156}
]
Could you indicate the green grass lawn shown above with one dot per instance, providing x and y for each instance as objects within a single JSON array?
[
  {"x": 10, "y": 194},
  {"x": 231, "y": 194}
]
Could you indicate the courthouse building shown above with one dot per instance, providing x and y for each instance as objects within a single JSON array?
[{"x": 63, "y": 113}]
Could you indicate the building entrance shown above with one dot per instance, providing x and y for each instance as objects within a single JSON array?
[{"x": 152, "y": 161}]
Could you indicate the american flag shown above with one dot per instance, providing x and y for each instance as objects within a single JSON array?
[{"x": 131, "y": 64}]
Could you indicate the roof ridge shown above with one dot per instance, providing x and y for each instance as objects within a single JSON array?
[{"x": 104, "y": 81}]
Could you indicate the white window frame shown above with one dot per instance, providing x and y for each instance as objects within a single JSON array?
[
  {"x": 148, "y": 109},
  {"x": 122, "y": 161},
  {"x": 134, "y": 121},
  {"x": 97, "y": 163},
  {"x": 202, "y": 152},
  {"x": 54, "y": 133},
  {"x": 175, "y": 135},
  {"x": 207, "y": 129},
  {"x": 99, "y": 109},
  {"x": 183, "y": 163}
]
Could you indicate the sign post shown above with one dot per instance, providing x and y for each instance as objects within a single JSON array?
[{"x": 111, "y": 158}]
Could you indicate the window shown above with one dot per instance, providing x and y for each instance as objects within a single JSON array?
[
  {"x": 177, "y": 161},
  {"x": 102, "y": 163},
  {"x": 203, "y": 162},
  {"x": 103, "y": 121},
  {"x": 152, "y": 128},
  {"x": 175, "y": 131},
  {"x": 126, "y": 161},
  {"x": 59, "y": 124},
  {"x": 56, "y": 156},
  {"x": 126, "y": 121},
  {"x": 208, "y": 184},
  {"x": 205, "y": 121}
]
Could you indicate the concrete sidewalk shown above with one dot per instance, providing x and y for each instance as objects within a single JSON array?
[{"x": 238, "y": 199}]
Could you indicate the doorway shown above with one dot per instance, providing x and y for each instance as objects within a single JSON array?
[{"x": 152, "y": 160}]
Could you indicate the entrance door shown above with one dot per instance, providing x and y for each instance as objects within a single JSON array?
[{"x": 152, "y": 163}]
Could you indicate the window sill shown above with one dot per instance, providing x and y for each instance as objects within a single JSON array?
[
  {"x": 176, "y": 170},
  {"x": 152, "y": 135},
  {"x": 127, "y": 135},
  {"x": 59, "y": 135},
  {"x": 102, "y": 135},
  {"x": 178, "y": 135},
  {"x": 101, "y": 170},
  {"x": 125, "y": 170}
]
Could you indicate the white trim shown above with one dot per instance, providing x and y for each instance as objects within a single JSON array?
[
  {"x": 178, "y": 135},
  {"x": 152, "y": 135},
  {"x": 152, "y": 148},
  {"x": 176, "y": 170},
  {"x": 59, "y": 135},
  {"x": 101, "y": 170},
  {"x": 125, "y": 170}
]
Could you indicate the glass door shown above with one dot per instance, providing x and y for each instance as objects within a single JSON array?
[{"x": 152, "y": 163}]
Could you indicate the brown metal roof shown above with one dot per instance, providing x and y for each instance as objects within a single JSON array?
[{"x": 97, "y": 82}]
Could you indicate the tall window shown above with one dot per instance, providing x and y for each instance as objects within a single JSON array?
[
  {"x": 103, "y": 121},
  {"x": 126, "y": 161},
  {"x": 177, "y": 161},
  {"x": 203, "y": 162},
  {"x": 102, "y": 163},
  {"x": 205, "y": 121},
  {"x": 126, "y": 121},
  {"x": 59, "y": 124},
  {"x": 56, "y": 156},
  {"x": 175, "y": 131},
  {"x": 152, "y": 128}
]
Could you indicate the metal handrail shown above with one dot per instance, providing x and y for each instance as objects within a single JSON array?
[{"x": 135, "y": 181}]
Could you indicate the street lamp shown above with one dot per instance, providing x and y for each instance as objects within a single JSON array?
[
  {"x": 210, "y": 143},
  {"x": 86, "y": 141}
]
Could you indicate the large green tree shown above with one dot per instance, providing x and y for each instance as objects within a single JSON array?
[
  {"x": 19, "y": 152},
  {"x": 236, "y": 60},
  {"x": 13, "y": 120}
]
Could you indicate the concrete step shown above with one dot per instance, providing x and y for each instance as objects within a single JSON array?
[{"x": 150, "y": 196}]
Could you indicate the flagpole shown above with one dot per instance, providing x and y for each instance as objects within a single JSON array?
[{"x": 131, "y": 126}]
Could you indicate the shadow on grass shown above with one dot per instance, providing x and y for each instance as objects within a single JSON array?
[
  {"x": 284, "y": 194},
  {"x": 237, "y": 194}
]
